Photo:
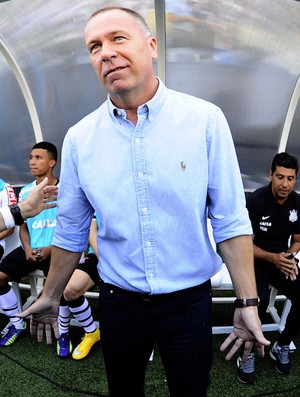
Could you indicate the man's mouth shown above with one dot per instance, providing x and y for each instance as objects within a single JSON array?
[
  {"x": 114, "y": 70},
  {"x": 282, "y": 191}
]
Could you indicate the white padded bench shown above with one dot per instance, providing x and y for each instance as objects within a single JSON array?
[{"x": 221, "y": 281}]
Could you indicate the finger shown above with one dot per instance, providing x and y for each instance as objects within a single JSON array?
[
  {"x": 231, "y": 352},
  {"x": 48, "y": 334},
  {"x": 293, "y": 277},
  {"x": 50, "y": 195},
  {"x": 247, "y": 350},
  {"x": 233, "y": 349},
  {"x": 227, "y": 341},
  {"x": 47, "y": 206},
  {"x": 55, "y": 329},
  {"x": 260, "y": 350},
  {"x": 40, "y": 332},
  {"x": 44, "y": 182},
  {"x": 24, "y": 314},
  {"x": 32, "y": 327},
  {"x": 239, "y": 342},
  {"x": 259, "y": 338}
]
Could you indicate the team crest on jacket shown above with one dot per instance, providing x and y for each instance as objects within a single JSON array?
[{"x": 293, "y": 216}]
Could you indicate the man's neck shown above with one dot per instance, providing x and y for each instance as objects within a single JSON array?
[
  {"x": 131, "y": 100},
  {"x": 52, "y": 179}
]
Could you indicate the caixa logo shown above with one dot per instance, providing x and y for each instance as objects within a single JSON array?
[{"x": 43, "y": 223}]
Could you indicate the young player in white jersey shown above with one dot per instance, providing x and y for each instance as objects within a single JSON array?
[{"x": 7, "y": 197}]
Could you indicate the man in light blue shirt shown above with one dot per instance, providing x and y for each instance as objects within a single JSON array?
[{"x": 154, "y": 164}]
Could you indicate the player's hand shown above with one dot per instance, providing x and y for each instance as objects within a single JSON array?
[{"x": 286, "y": 263}]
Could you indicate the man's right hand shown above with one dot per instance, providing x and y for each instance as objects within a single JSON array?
[
  {"x": 40, "y": 197},
  {"x": 44, "y": 314}
]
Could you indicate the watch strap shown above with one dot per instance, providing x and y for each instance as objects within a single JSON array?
[
  {"x": 245, "y": 302},
  {"x": 16, "y": 213}
]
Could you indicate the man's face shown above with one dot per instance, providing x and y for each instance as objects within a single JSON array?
[
  {"x": 40, "y": 162},
  {"x": 283, "y": 182},
  {"x": 120, "y": 52}
]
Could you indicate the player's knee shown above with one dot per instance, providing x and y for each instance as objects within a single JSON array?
[
  {"x": 70, "y": 293},
  {"x": 4, "y": 279}
]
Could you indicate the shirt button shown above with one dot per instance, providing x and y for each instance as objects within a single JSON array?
[
  {"x": 140, "y": 174},
  {"x": 137, "y": 140},
  {"x": 119, "y": 112},
  {"x": 148, "y": 243},
  {"x": 145, "y": 210}
]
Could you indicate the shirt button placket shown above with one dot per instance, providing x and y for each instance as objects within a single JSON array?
[{"x": 143, "y": 199}]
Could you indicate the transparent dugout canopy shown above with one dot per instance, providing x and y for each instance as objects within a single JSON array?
[{"x": 243, "y": 56}]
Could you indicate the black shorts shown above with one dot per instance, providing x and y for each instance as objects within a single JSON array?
[
  {"x": 88, "y": 264},
  {"x": 16, "y": 266}
]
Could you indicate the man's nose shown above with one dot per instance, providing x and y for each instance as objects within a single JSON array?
[{"x": 108, "y": 51}]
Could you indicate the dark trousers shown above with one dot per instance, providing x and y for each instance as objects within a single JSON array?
[
  {"x": 267, "y": 274},
  {"x": 179, "y": 324}
]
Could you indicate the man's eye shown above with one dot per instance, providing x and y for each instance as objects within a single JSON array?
[
  {"x": 118, "y": 38},
  {"x": 94, "y": 48}
]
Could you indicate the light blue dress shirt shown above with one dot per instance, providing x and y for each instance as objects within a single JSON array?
[{"x": 153, "y": 186}]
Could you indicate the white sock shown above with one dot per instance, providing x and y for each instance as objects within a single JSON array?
[
  {"x": 64, "y": 319},
  {"x": 83, "y": 314},
  {"x": 9, "y": 305}
]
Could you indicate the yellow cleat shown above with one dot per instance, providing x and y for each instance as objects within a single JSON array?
[{"x": 87, "y": 342}]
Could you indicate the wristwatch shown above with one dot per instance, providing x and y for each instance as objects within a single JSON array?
[{"x": 246, "y": 302}]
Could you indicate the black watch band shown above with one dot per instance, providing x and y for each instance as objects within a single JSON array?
[
  {"x": 16, "y": 213},
  {"x": 246, "y": 302}
]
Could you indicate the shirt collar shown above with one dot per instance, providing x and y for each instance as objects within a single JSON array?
[{"x": 153, "y": 106}]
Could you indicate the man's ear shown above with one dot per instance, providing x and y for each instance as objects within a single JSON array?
[
  {"x": 52, "y": 163},
  {"x": 270, "y": 174}
]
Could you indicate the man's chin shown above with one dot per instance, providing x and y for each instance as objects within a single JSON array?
[
  {"x": 283, "y": 196},
  {"x": 118, "y": 88}
]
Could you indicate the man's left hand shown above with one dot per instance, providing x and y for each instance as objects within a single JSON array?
[{"x": 246, "y": 332}]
